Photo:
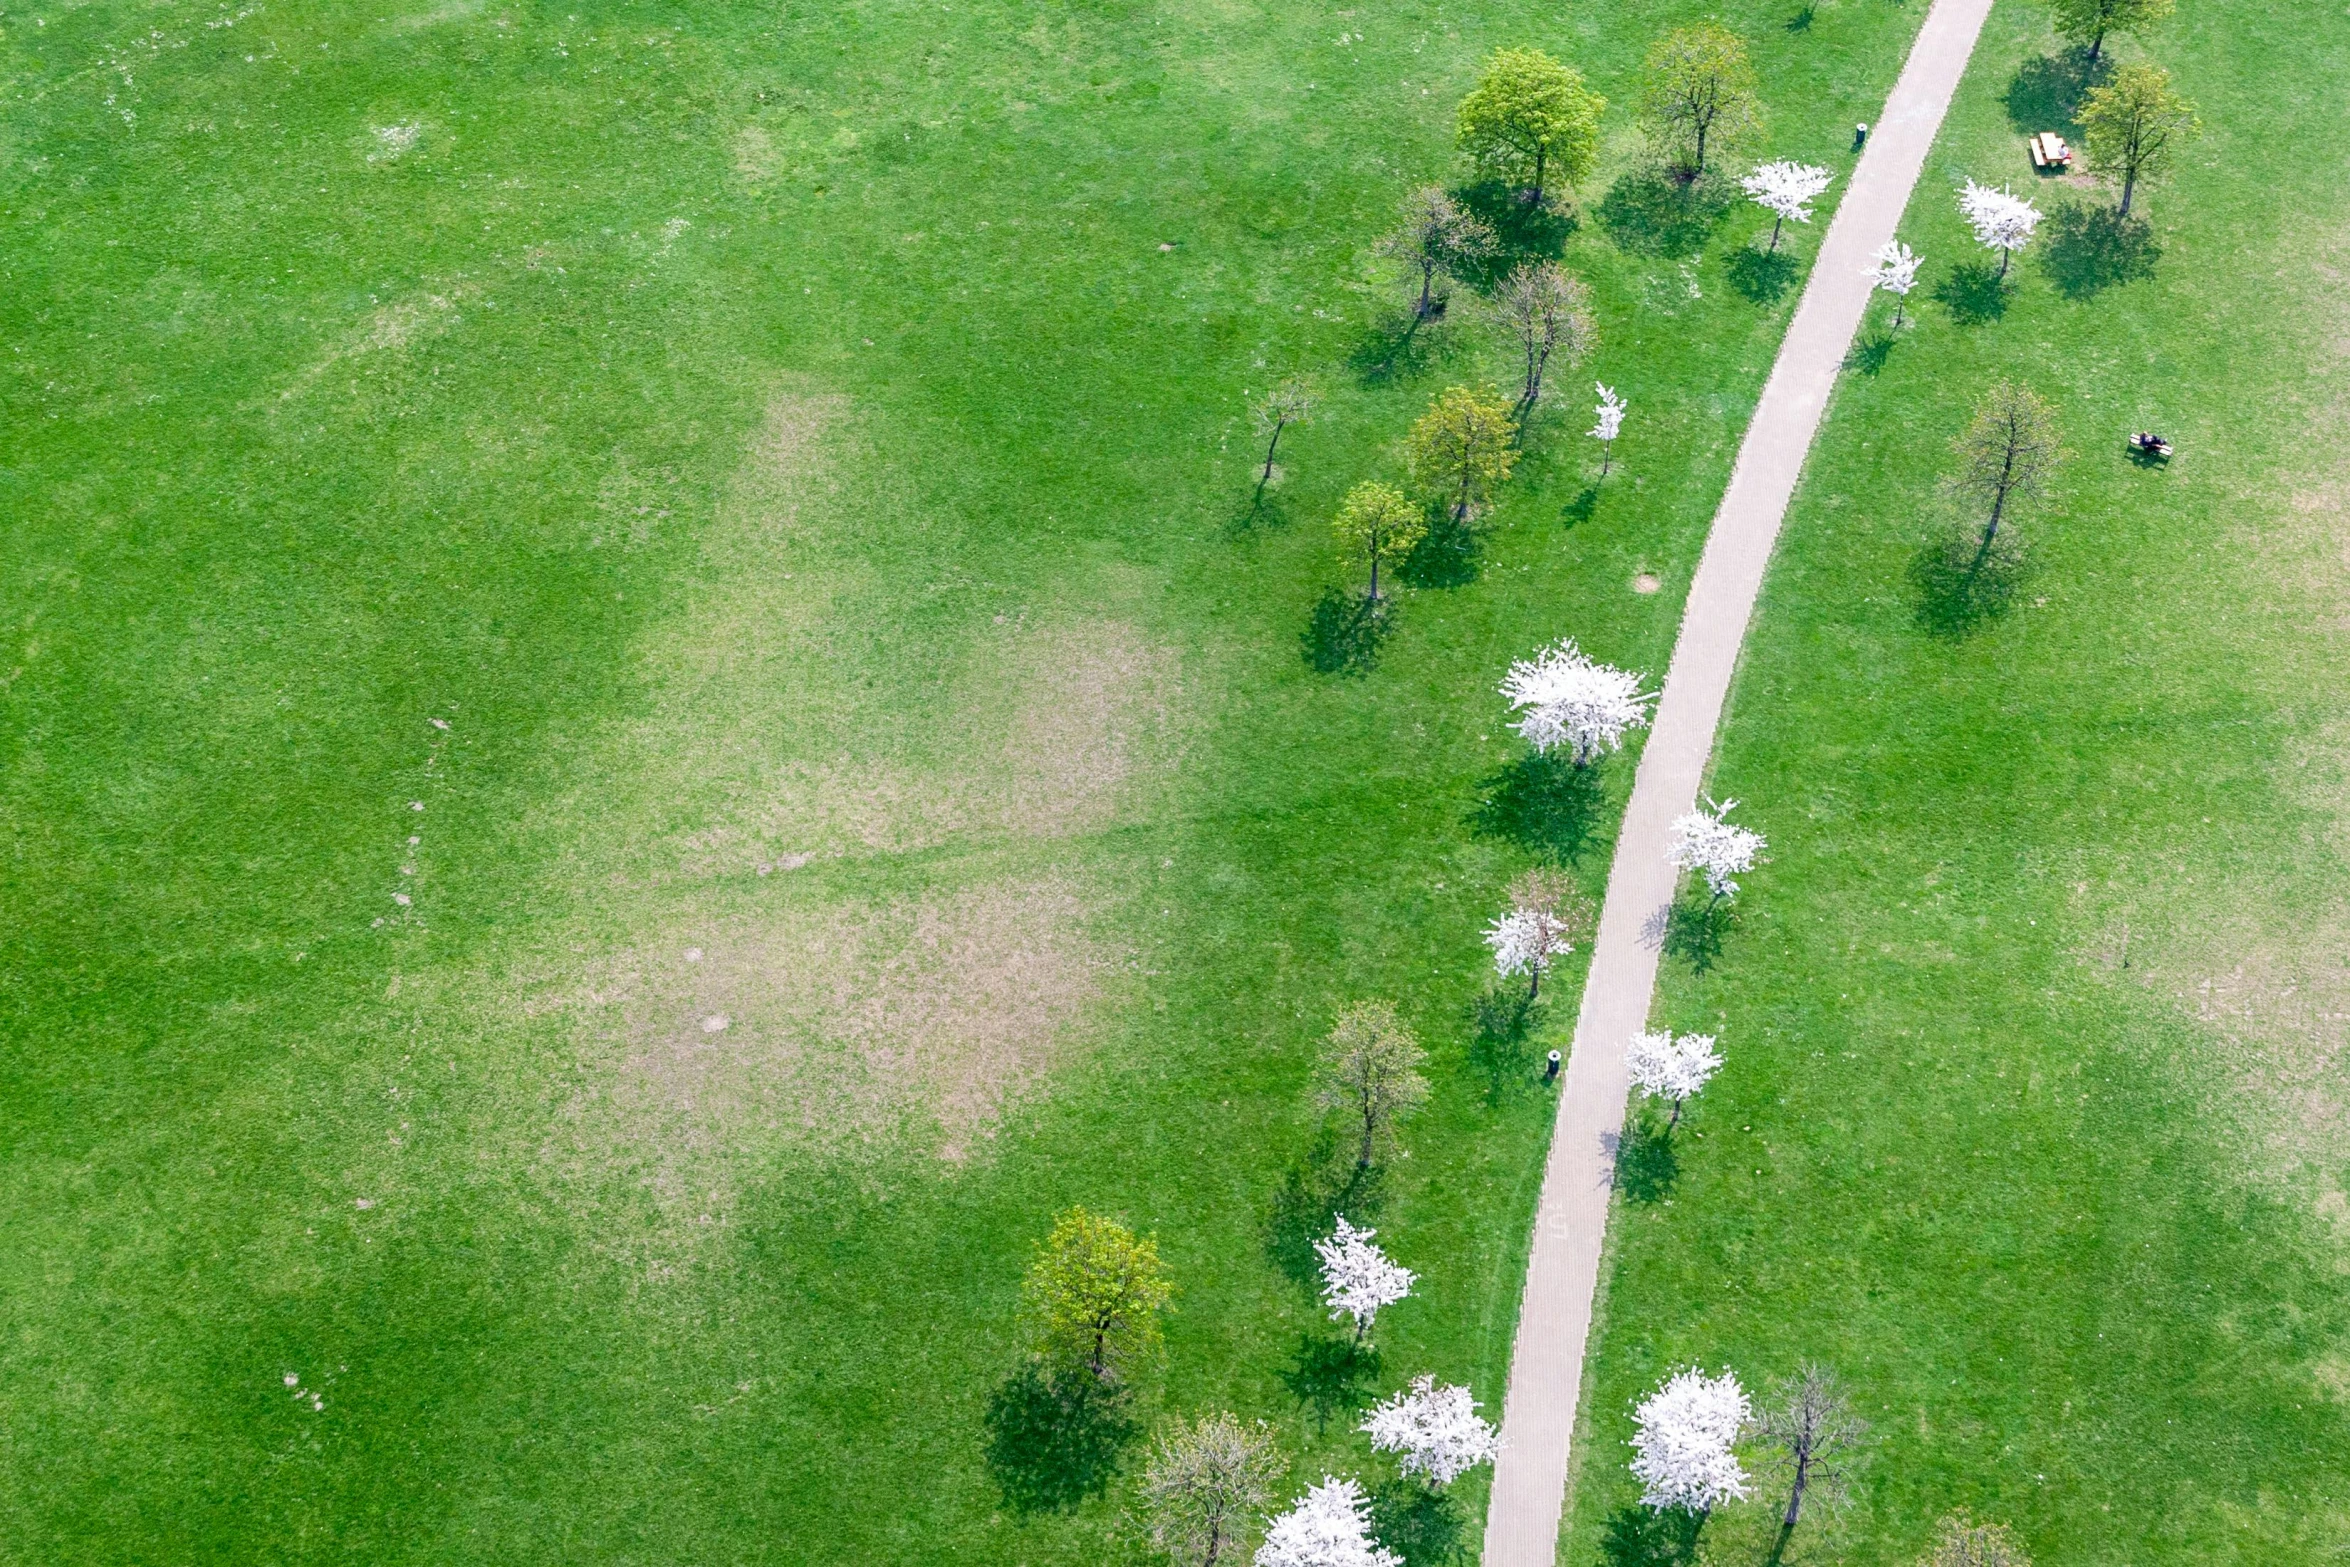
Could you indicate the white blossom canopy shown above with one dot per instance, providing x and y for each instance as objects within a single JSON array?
[
  {"x": 1358, "y": 1279},
  {"x": 1526, "y": 940},
  {"x": 1573, "y": 700},
  {"x": 1330, "y": 1526},
  {"x": 1896, "y": 271},
  {"x": 1787, "y": 188},
  {"x": 1437, "y": 1429},
  {"x": 1705, "y": 841},
  {"x": 1667, "y": 1068},
  {"x": 1682, "y": 1444},
  {"x": 1611, "y": 413},
  {"x": 2001, "y": 220}
]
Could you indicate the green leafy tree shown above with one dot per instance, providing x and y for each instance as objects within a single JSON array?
[
  {"x": 1094, "y": 1292},
  {"x": 2088, "y": 21},
  {"x": 1382, "y": 522},
  {"x": 2005, "y": 456},
  {"x": 1435, "y": 239},
  {"x": 1370, "y": 1071},
  {"x": 1530, "y": 119},
  {"x": 1460, "y": 448},
  {"x": 2134, "y": 125},
  {"x": 1700, "y": 98},
  {"x": 1206, "y": 1482}
]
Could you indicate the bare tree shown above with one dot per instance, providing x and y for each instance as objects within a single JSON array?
[
  {"x": 2005, "y": 456},
  {"x": 1292, "y": 402},
  {"x": 1370, "y": 1069},
  {"x": 1207, "y": 1481},
  {"x": 1813, "y": 1435},
  {"x": 1550, "y": 311},
  {"x": 1436, "y": 239}
]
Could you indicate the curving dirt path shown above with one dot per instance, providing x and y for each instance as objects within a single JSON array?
[{"x": 1570, "y": 1225}]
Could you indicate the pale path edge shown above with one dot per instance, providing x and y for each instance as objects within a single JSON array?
[{"x": 1570, "y": 1223}]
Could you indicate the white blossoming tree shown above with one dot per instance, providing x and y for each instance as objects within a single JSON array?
[
  {"x": 1786, "y": 189},
  {"x": 1547, "y": 913},
  {"x": 1896, "y": 273},
  {"x": 1437, "y": 1429},
  {"x": 1329, "y": 1527},
  {"x": 2002, "y": 221},
  {"x": 1571, "y": 699},
  {"x": 1358, "y": 1279},
  {"x": 1672, "y": 1069},
  {"x": 1611, "y": 424},
  {"x": 1707, "y": 842},
  {"x": 1683, "y": 1441}
]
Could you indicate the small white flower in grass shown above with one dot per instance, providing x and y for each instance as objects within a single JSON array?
[
  {"x": 2002, "y": 221},
  {"x": 693, "y": 954},
  {"x": 1786, "y": 189},
  {"x": 715, "y": 1023},
  {"x": 440, "y": 723},
  {"x": 1330, "y": 1526},
  {"x": 1683, "y": 1442},
  {"x": 1663, "y": 1067},
  {"x": 293, "y": 1379},
  {"x": 1570, "y": 699},
  {"x": 1706, "y": 841},
  {"x": 1437, "y": 1429},
  {"x": 1358, "y": 1279},
  {"x": 400, "y": 898},
  {"x": 416, "y": 805}
]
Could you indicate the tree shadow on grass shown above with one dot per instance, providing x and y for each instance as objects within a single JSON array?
[
  {"x": 1398, "y": 348},
  {"x": 1694, "y": 929},
  {"x": 2048, "y": 90},
  {"x": 1578, "y": 511},
  {"x": 1648, "y": 212},
  {"x": 1319, "y": 1186},
  {"x": 1331, "y": 1376},
  {"x": 2091, "y": 249},
  {"x": 1344, "y": 633},
  {"x": 1542, "y": 802},
  {"x": 1973, "y": 292},
  {"x": 1449, "y": 555},
  {"x": 1958, "y": 590},
  {"x": 1801, "y": 21},
  {"x": 1869, "y": 354},
  {"x": 1252, "y": 513},
  {"x": 1422, "y": 1525},
  {"x": 1502, "y": 1023},
  {"x": 1523, "y": 232},
  {"x": 1641, "y": 1537},
  {"x": 1763, "y": 276},
  {"x": 1054, "y": 1439},
  {"x": 1647, "y": 1163}
]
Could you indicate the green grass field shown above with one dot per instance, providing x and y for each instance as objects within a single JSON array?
[
  {"x": 2033, "y": 1120},
  {"x": 653, "y": 480}
]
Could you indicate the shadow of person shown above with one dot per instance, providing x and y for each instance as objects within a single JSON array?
[
  {"x": 1647, "y": 1163},
  {"x": 1762, "y": 276},
  {"x": 1055, "y": 1438},
  {"x": 1343, "y": 633},
  {"x": 1648, "y": 212},
  {"x": 2091, "y": 249},
  {"x": 1973, "y": 292},
  {"x": 1642, "y": 1537},
  {"x": 1331, "y": 1376},
  {"x": 1542, "y": 802}
]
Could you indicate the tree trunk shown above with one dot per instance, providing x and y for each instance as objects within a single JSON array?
[
  {"x": 1795, "y": 1493},
  {"x": 1215, "y": 1543},
  {"x": 1702, "y": 128},
  {"x": 1374, "y": 571},
  {"x": 2005, "y": 256},
  {"x": 1607, "y": 455},
  {"x": 1271, "y": 446},
  {"x": 1900, "y": 303},
  {"x": 1990, "y": 531},
  {"x": 1101, "y": 1348},
  {"x": 1370, "y": 1128},
  {"x": 2129, "y": 185},
  {"x": 1534, "y": 990},
  {"x": 1460, "y": 510},
  {"x": 1427, "y": 287},
  {"x": 2096, "y": 45},
  {"x": 1541, "y": 161},
  {"x": 1776, "y": 225}
]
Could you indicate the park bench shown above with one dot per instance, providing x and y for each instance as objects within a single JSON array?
[{"x": 2050, "y": 152}]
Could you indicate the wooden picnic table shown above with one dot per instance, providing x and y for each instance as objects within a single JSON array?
[{"x": 2050, "y": 152}]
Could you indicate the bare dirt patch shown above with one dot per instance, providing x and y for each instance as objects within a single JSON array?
[{"x": 825, "y": 1028}]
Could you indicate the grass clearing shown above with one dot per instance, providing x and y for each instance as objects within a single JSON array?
[
  {"x": 761, "y": 484},
  {"x": 2031, "y": 1125}
]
